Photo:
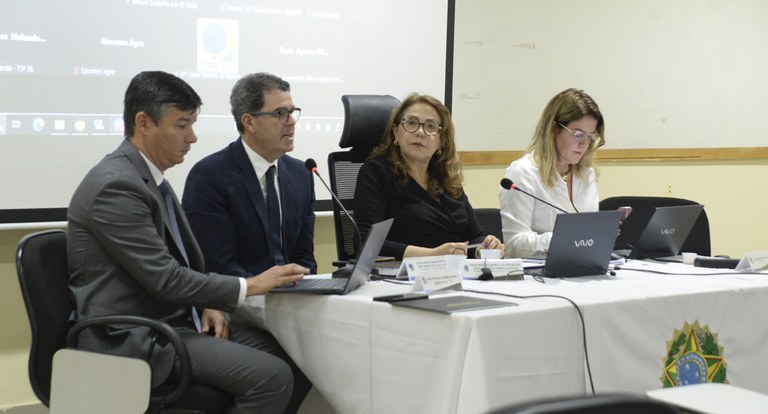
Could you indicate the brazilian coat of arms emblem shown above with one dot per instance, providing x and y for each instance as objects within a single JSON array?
[{"x": 693, "y": 357}]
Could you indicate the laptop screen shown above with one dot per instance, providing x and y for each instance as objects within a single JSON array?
[
  {"x": 667, "y": 230},
  {"x": 582, "y": 243},
  {"x": 368, "y": 254}
]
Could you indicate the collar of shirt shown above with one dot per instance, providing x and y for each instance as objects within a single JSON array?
[
  {"x": 260, "y": 166},
  {"x": 157, "y": 175}
]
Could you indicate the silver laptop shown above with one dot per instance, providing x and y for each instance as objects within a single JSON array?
[
  {"x": 666, "y": 231},
  {"x": 360, "y": 271},
  {"x": 581, "y": 245}
]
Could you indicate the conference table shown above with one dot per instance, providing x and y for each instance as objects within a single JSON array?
[{"x": 366, "y": 356}]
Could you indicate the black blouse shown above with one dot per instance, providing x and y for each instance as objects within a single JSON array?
[{"x": 420, "y": 220}]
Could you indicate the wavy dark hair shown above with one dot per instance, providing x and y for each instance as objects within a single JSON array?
[{"x": 444, "y": 168}]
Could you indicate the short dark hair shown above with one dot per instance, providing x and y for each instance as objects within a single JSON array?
[
  {"x": 153, "y": 92},
  {"x": 248, "y": 94}
]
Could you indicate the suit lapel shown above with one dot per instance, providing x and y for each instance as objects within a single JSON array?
[
  {"x": 288, "y": 192},
  {"x": 194, "y": 254},
  {"x": 250, "y": 182}
]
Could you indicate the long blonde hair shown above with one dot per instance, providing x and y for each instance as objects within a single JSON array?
[
  {"x": 568, "y": 105},
  {"x": 444, "y": 168}
]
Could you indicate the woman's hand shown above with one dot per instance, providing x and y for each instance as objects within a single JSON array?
[
  {"x": 491, "y": 242},
  {"x": 459, "y": 248}
]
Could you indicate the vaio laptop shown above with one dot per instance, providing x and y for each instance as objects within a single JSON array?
[
  {"x": 581, "y": 245},
  {"x": 360, "y": 272},
  {"x": 666, "y": 231}
]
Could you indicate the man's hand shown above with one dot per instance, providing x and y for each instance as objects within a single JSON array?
[
  {"x": 273, "y": 277},
  {"x": 215, "y": 320}
]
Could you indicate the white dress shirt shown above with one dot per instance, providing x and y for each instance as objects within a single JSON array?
[
  {"x": 260, "y": 167},
  {"x": 527, "y": 223}
]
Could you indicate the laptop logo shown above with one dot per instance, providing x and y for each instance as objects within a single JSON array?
[
  {"x": 584, "y": 243},
  {"x": 668, "y": 231}
]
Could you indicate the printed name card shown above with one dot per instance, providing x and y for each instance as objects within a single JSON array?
[
  {"x": 434, "y": 280},
  {"x": 498, "y": 267},
  {"x": 432, "y": 273},
  {"x": 753, "y": 262}
]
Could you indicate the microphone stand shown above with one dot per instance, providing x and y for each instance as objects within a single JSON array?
[{"x": 345, "y": 271}]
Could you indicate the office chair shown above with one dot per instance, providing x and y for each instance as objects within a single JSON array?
[
  {"x": 365, "y": 118},
  {"x": 41, "y": 265},
  {"x": 490, "y": 221},
  {"x": 698, "y": 240},
  {"x": 598, "y": 404}
]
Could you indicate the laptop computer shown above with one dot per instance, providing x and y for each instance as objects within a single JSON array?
[
  {"x": 581, "y": 245},
  {"x": 360, "y": 272},
  {"x": 666, "y": 231}
]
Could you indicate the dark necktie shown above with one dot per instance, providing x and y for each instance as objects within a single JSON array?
[
  {"x": 273, "y": 207},
  {"x": 165, "y": 190}
]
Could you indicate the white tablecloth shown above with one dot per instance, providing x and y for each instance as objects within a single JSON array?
[{"x": 366, "y": 356}]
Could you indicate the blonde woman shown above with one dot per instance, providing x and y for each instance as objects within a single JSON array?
[{"x": 559, "y": 167}]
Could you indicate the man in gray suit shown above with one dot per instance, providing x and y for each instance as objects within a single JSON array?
[{"x": 131, "y": 251}]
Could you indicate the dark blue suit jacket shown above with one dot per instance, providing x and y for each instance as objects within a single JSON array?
[{"x": 228, "y": 214}]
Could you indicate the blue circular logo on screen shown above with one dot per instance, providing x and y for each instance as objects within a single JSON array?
[{"x": 215, "y": 38}]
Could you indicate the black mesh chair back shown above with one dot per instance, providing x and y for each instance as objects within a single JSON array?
[
  {"x": 698, "y": 240},
  {"x": 599, "y": 404},
  {"x": 41, "y": 265},
  {"x": 490, "y": 221},
  {"x": 343, "y": 168},
  {"x": 365, "y": 118}
]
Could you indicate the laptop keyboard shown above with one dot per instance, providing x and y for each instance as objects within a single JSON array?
[{"x": 323, "y": 283}]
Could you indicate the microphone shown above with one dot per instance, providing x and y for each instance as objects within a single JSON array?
[
  {"x": 312, "y": 167},
  {"x": 507, "y": 184}
]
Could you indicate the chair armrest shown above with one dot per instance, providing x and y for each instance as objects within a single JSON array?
[{"x": 162, "y": 328}]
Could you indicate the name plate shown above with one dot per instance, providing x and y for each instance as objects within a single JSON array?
[
  {"x": 498, "y": 267},
  {"x": 434, "y": 280},
  {"x": 431, "y": 273},
  {"x": 414, "y": 266},
  {"x": 753, "y": 262}
]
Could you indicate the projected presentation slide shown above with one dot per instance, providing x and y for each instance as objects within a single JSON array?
[{"x": 64, "y": 67}]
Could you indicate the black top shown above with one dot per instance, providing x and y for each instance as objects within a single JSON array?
[{"x": 420, "y": 220}]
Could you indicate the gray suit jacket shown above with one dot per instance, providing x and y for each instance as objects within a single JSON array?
[{"x": 123, "y": 260}]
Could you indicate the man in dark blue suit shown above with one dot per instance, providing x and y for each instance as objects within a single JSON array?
[{"x": 227, "y": 194}]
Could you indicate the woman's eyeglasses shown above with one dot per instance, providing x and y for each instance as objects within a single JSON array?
[
  {"x": 580, "y": 135},
  {"x": 411, "y": 124}
]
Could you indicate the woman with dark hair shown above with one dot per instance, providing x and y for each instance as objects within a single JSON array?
[
  {"x": 559, "y": 167},
  {"x": 414, "y": 176}
]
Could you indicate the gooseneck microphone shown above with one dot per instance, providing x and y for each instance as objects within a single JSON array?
[
  {"x": 312, "y": 167},
  {"x": 507, "y": 184}
]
